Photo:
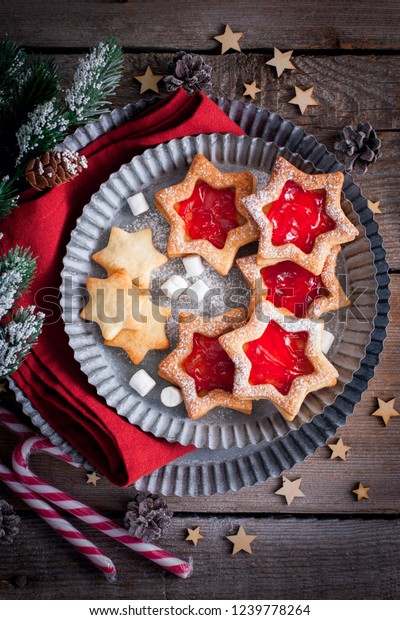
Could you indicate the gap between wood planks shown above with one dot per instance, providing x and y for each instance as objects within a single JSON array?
[{"x": 45, "y": 51}]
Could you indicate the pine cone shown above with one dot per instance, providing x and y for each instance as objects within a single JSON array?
[
  {"x": 9, "y": 522},
  {"x": 54, "y": 168},
  {"x": 359, "y": 148},
  {"x": 189, "y": 71},
  {"x": 147, "y": 517}
]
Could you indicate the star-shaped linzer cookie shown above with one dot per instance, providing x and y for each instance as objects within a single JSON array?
[
  {"x": 194, "y": 535},
  {"x": 290, "y": 489},
  {"x": 251, "y": 90},
  {"x": 284, "y": 180},
  {"x": 303, "y": 98},
  {"x": 241, "y": 541},
  {"x": 134, "y": 252},
  {"x": 386, "y": 410},
  {"x": 229, "y": 40},
  {"x": 186, "y": 367},
  {"x": 114, "y": 304},
  {"x": 361, "y": 491},
  {"x": 148, "y": 81},
  {"x": 339, "y": 450},
  {"x": 281, "y": 61},
  {"x": 331, "y": 296},
  {"x": 303, "y": 351},
  {"x": 180, "y": 243},
  {"x": 151, "y": 336}
]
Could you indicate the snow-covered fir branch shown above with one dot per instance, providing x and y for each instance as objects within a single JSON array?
[
  {"x": 10, "y": 283},
  {"x": 17, "y": 268},
  {"x": 45, "y": 127},
  {"x": 17, "y": 337},
  {"x": 96, "y": 77}
]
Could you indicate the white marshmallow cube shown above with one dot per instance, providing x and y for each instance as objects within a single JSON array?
[
  {"x": 138, "y": 204},
  {"x": 174, "y": 286},
  {"x": 142, "y": 382},
  {"x": 327, "y": 341},
  {"x": 198, "y": 290},
  {"x": 171, "y": 396},
  {"x": 193, "y": 265}
]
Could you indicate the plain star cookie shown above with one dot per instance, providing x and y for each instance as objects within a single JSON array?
[
  {"x": 114, "y": 304},
  {"x": 151, "y": 336},
  {"x": 134, "y": 252}
]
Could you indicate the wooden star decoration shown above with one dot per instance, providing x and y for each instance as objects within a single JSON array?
[
  {"x": 374, "y": 206},
  {"x": 361, "y": 492},
  {"x": 148, "y": 81},
  {"x": 303, "y": 98},
  {"x": 194, "y": 535},
  {"x": 92, "y": 478},
  {"x": 229, "y": 40},
  {"x": 386, "y": 410},
  {"x": 290, "y": 489},
  {"x": 281, "y": 61},
  {"x": 251, "y": 90},
  {"x": 339, "y": 450},
  {"x": 241, "y": 541}
]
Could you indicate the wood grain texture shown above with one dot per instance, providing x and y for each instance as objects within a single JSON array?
[
  {"x": 327, "y": 483},
  {"x": 293, "y": 558},
  {"x": 162, "y": 25},
  {"x": 325, "y": 545}
]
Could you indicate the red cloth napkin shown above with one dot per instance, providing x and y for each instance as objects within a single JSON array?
[{"x": 50, "y": 377}]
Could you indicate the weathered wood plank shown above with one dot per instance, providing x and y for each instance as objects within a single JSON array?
[
  {"x": 327, "y": 483},
  {"x": 171, "y": 25},
  {"x": 293, "y": 558},
  {"x": 348, "y": 88}
]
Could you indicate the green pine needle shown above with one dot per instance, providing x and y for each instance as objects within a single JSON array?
[
  {"x": 12, "y": 63},
  {"x": 45, "y": 127},
  {"x": 8, "y": 196},
  {"x": 17, "y": 337},
  {"x": 96, "y": 78},
  {"x": 38, "y": 84},
  {"x": 19, "y": 259}
]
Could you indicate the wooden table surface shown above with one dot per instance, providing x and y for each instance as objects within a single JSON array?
[{"x": 325, "y": 545}]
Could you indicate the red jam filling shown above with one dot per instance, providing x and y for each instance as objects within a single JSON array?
[
  {"x": 299, "y": 216},
  {"x": 209, "y": 214},
  {"x": 277, "y": 357},
  {"x": 291, "y": 286},
  {"x": 209, "y": 365}
]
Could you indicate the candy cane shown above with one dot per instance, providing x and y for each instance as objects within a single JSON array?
[
  {"x": 10, "y": 421},
  {"x": 60, "y": 525},
  {"x": 88, "y": 515},
  {"x": 13, "y": 424}
]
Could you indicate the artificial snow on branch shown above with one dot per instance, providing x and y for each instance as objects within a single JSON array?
[
  {"x": 19, "y": 328},
  {"x": 34, "y": 115},
  {"x": 97, "y": 77}
]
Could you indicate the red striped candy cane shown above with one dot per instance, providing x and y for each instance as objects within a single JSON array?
[
  {"x": 60, "y": 525},
  {"x": 21, "y": 455},
  {"x": 10, "y": 421}
]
